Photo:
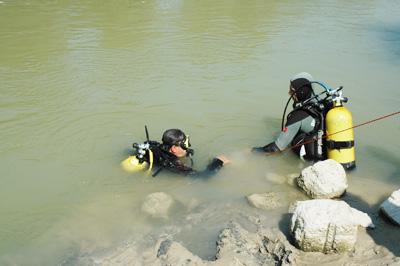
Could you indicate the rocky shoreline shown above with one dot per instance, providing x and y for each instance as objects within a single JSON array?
[
  {"x": 239, "y": 245},
  {"x": 323, "y": 230}
]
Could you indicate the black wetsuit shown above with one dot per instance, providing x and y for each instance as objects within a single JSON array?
[{"x": 165, "y": 160}]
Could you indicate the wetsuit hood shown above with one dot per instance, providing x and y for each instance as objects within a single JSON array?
[
  {"x": 302, "y": 86},
  {"x": 303, "y": 75},
  {"x": 176, "y": 137}
]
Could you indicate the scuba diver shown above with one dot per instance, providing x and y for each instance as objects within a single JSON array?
[
  {"x": 173, "y": 154},
  {"x": 310, "y": 118}
]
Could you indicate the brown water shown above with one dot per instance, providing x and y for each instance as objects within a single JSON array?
[{"x": 80, "y": 79}]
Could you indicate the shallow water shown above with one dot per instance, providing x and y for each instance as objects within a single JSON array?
[{"x": 79, "y": 80}]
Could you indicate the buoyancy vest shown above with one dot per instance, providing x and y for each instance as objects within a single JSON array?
[
  {"x": 163, "y": 159},
  {"x": 312, "y": 140}
]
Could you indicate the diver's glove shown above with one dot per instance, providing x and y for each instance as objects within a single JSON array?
[
  {"x": 215, "y": 165},
  {"x": 270, "y": 148}
]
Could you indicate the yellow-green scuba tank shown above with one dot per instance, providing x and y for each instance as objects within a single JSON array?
[
  {"x": 340, "y": 134},
  {"x": 137, "y": 161},
  {"x": 132, "y": 164}
]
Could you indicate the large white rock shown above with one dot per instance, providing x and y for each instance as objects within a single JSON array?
[
  {"x": 157, "y": 204},
  {"x": 326, "y": 225},
  {"x": 323, "y": 180},
  {"x": 391, "y": 207}
]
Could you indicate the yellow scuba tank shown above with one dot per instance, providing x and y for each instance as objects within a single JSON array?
[
  {"x": 137, "y": 162},
  {"x": 340, "y": 134},
  {"x": 132, "y": 164}
]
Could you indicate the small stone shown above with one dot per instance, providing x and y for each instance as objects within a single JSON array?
[
  {"x": 192, "y": 203},
  {"x": 266, "y": 201},
  {"x": 157, "y": 204},
  {"x": 275, "y": 178}
]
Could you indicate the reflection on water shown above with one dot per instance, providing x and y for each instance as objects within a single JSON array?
[{"x": 80, "y": 80}]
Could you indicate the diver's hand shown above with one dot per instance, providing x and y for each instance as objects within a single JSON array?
[
  {"x": 269, "y": 148},
  {"x": 257, "y": 149},
  {"x": 223, "y": 159}
]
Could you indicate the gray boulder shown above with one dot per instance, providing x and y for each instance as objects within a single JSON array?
[
  {"x": 323, "y": 180},
  {"x": 391, "y": 207},
  {"x": 157, "y": 204},
  {"x": 326, "y": 225}
]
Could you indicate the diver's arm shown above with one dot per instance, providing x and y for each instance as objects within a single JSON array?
[
  {"x": 296, "y": 120},
  {"x": 212, "y": 168},
  {"x": 306, "y": 125},
  {"x": 284, "y": 139},
  {"x": 287, "y": 135},
  {"x": 215, "y": 165}
]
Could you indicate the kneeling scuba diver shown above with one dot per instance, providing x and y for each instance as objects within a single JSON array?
[
  {"x": 170, "y": 154},
  {"x": 317, "y": 128}
]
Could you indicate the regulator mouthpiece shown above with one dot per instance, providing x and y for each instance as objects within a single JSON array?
[{"x": 189, "y": 152}]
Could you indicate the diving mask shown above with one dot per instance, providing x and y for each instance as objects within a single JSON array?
[{"x": 185, "y": 144}]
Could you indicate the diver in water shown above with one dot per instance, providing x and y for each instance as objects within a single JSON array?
[
  {"x": 318, "y": 127},
  {"x": 301, "y": 124},
  {"x": 173, "y": 154}
]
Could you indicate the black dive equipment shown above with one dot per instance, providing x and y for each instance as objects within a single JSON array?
[
  {"x": 333, "y": 136},
  {"x": 145, "y": 155}
]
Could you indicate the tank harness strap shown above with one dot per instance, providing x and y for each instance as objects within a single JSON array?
[
  {"x": 157, "y": 172},
  {"x": 165, "y": 161},
  {"x": 331, "y": 144},
  {"x": 151, "y": 162}
]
